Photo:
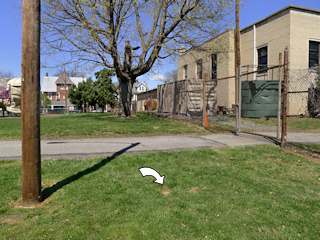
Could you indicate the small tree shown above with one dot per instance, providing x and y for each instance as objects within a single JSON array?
[
  {"x": 75, "y": 95},
  {"x": 82, "y": 95},
  {"x": 105, "y": 90},
  {"x": 45, "y": 101}
]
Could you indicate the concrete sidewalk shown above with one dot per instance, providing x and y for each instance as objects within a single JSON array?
[{"x": 104, "y": 147}]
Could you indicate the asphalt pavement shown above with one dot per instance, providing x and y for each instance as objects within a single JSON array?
[{"x": 105, "y": 147}]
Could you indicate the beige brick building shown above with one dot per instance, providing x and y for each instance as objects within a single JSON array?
[{"x": 294, "y": 27}]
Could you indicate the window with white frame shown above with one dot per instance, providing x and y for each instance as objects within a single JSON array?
[
  {"x": 263, "y": 58},
  {"x": 314, "y": 53},
  {"x": 58, "y": 96},
  {"x": 50, "y": 95},
  {"x": 199, "y": 69}
]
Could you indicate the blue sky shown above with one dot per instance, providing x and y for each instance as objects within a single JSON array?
[{"x": 10, "y": 32}]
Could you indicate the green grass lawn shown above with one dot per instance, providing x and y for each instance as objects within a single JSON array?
[
  {"x": 99, "y": 125},
  {"x": 253, "y": 192}
]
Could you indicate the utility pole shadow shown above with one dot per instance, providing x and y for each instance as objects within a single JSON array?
[{"x": 50, "y": 190}]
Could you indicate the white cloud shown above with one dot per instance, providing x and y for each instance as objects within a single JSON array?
[{"x": 158, "y": 77}]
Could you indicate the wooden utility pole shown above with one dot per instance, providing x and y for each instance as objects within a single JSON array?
[
  {"x": 30, "y": 106},
  {"x": 65, "y": 89},
  {"x": 237, "y": 61}
]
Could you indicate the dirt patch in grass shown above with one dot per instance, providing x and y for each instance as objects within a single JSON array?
[
  {"x": 49, "y": 182},
  {"x": 196, "y": 189},
  {"x": 45, "y": 202},
  {"x": 12, "y": 219},
  {"x": 166, "y": 191},
  {"x": 18, "y": 204}
]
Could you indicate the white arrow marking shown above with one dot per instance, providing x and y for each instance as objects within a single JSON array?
[{"x": 151, "y": 172}]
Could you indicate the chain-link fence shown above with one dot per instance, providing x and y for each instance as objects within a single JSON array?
[
  {"x": 261, "y": 105},
  {"x": 303, "y": 122},
  {"x": 261, "y": 94}
]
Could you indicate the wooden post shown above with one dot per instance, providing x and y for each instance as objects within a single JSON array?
[
  {"x": 237, "y": 61},
  {"x": 279, "y": 96},
  {"x": 284, "y": 102},
  {"x": 204, "y": 97},
  {"x": 30, "y": 106}
]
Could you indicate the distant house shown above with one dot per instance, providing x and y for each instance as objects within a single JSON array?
[
  {"x": 56, "y": 88},
  {"x": 137, "y": 88}
]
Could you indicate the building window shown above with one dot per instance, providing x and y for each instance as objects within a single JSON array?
[
  {"x": 313, "y": 54},
  {"x": 185, "y": 72},
  {"x": 262, "y": 58},
  {"x": 50, "y": 95},
  {"x": 214, "y": 66},
  {"x": 199, "y": 69},
  {"x": 62, "y": 87},
  {"x": 58, "y": 96},
  {"x": 63, "y": 97}
]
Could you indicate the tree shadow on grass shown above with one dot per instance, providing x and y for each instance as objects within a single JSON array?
[{"x": 50, "y": 190}]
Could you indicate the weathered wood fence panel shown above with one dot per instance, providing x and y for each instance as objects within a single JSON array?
[{"x": 185, "y": 97}]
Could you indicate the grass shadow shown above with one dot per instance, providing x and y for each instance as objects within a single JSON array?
[{"x": 46, "y": 193}]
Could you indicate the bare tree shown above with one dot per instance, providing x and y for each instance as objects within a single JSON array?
[
  {"x": 6, "y": 74},
  {"x": 171, "y": 76},
  {"x": 96, "y": 31},
  {"x": 70, "y": 72}
]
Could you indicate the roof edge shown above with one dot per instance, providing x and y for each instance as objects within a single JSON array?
[
  {"x": 289, "y": 7},
  {"x": 215, "y": 37}
]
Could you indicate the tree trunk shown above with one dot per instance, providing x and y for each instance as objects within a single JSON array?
[
  {"x": 84, "y": 106},
  {"x": 125, "y": 94}
]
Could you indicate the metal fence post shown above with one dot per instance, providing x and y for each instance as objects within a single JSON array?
[
  {"x": 279, "y": 96},
  {"x": 284, "y": 107},
  {"x": 239, "y": 100},
  {"x": 204, "y": 97}
]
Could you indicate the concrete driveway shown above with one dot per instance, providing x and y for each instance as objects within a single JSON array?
[{"x": 105, "y": 147}]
